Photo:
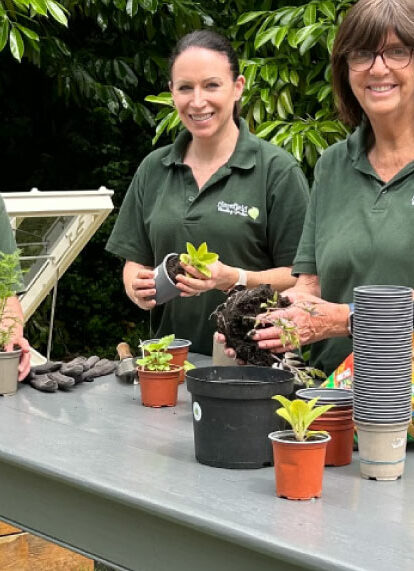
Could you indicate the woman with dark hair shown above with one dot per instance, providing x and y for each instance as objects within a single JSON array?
[
  {"x": 359, "y": 228},
  {"x": 217, "y": 183}
]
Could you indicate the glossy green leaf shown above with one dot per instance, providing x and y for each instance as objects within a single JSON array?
[
  {"x": 309, "y": 15},
  {"x": 249, "y": 16},
  {"x": 281, "y": 111},
  {"x": 324, "y": 92},
  {"x": 16, "y": 44},
  {"x": 330, "y": 127},
  {"x": 297, "y": 147},
  {"x": 266, "y": 128},
  {"x": 331, "y": 38},
  {"x": 316, "y": 138},
  {"x": 250, "y": 75},
  {"x": 258, "y": 111},
  {"x": 328, "y": 8},
  {"x": 280, "y": 36},
  {"x": 294, "y": 77},
  {"x": 286, "y": 100},
  {"x": 311, "y": 155},
  {"x": 264, "y": 37},
  {"x": 4, "y": 33},
  {"x": 151, "y": 6},
  {"x": 310, "y": 40},
  {"x": 29, "y": 33},
  {"x": 39, "y": 6},
  {"x": 269, "y": 73},
  {"x": 132, "y": 8},
  {"x": 57, "y": 12},
  {"x": 164, "y": 98}
]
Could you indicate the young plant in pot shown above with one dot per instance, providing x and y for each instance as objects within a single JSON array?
[
  {"x": 299, "y": 454},
  {"x": 158, "y": 377},
  {"x": 236, "y": 319},
  {"x": 166, "y": 273},
  {"x": 9, "y": 360}
]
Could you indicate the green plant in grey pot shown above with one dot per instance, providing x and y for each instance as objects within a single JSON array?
[{"x": 9, "y": 360}]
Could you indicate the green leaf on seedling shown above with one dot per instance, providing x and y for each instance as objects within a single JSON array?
[
  {"x": 199, "y": 258},
  {"x": 156, "y": 356},
  {"x": 300, "y": 415}
]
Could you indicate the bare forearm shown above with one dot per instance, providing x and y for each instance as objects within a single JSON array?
[
  {"x": 14, "y": 316},
  {"x": 279, "y": 278}
]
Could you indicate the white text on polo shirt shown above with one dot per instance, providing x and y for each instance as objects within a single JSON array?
[{"x": 234, "y": 208}]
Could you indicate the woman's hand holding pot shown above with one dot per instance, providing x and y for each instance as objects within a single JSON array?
[{"x": 142, "y": 289}]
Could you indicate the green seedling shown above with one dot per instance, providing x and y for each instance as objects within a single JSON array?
[
  {"x": 199, "y": 258},
  {"x": 156, "y": 356},
  {"x": 300, "y": 415},
  {"x": 10, "y": 276}
]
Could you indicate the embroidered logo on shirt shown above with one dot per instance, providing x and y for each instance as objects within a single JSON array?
[{"x": 235, "y": 209}]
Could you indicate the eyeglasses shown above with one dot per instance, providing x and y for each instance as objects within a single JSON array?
[{"x": 394, "y": 58}]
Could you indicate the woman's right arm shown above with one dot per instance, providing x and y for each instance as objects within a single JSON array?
[{"x": 139, "y": 284}]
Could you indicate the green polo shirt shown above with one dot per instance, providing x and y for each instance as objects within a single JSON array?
[
  {"x": 7, "y": 241},
  {"x": 358, "y": 231},
  {"x": 250, "y": 212}
]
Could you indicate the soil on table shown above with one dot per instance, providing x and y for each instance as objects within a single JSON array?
[
  {"x": 173, "y": 267},
  {"x": 236, "y": 318}
]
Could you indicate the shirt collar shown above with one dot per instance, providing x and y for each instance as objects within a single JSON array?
[{"x": 243, "y": 157}]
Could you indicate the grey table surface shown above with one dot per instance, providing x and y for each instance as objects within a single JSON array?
[{"x": 94, "y": 470}]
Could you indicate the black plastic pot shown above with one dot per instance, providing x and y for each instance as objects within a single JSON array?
[{"x": 233, "y": 413}]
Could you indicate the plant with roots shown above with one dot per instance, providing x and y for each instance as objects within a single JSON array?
[
  {"x": 10, "y": 276},
  {"x": 300, "y": 415},
  {"x": 289, "y": 336},
  {"x": 200, "y": 258}
]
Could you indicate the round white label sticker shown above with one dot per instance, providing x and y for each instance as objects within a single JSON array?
[{"x": 197, "y": 411}]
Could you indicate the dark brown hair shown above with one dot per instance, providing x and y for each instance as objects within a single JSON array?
[
  {"x": 366, "y": 26},
  {"x": 209, "y": 40}
]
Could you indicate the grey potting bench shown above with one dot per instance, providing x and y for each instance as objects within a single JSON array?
[{"x": 95, "y": 471}]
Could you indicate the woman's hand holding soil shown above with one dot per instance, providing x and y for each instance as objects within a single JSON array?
[
  {"x": 314, "y": 319},
  {"x": 222, "y": 278}
]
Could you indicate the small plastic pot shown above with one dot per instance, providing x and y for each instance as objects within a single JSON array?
[
  {"x": 341, "y": 429},
  {"x": 381, "y": 450},
  {"x": 165, "y": 287},
  {"x": 9, "y": 371},
  {"x": 298, "y": 465},
  {"x": 159, "y": 388},
  {"x": 179, "y": 350}
]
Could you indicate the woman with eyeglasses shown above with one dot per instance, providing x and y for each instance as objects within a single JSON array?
[{"x": 359, "y": 227}]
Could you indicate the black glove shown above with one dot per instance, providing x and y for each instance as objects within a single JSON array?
[{"x": 42, "y": 382}]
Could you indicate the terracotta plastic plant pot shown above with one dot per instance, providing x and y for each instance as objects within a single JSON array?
[
  {"x": 341, "y": 429},
  {"x": 9, "y": 371},
  {"x": 381, "y": 449},
  {"x": 159, "y": 388},
  {"x": 165, "y": 287},
  {"x": 179, "y": 350},
  {"x": 298, "y": 465}
]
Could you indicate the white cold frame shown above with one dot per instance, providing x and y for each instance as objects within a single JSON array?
[{"x": 51, "y": 228}]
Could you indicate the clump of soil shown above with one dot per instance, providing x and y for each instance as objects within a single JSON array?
[
  {"x": 236, "y": 318},
  {"x": 173, "y": 267}
]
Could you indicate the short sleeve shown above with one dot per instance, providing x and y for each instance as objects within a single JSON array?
[
  {"x": 129, "y": 237},
  {"x": 288, "y": 197},
  {"x": 305, "y": 260}
]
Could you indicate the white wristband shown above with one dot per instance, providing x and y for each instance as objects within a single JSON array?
[{"x": 241, "y": 280}]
